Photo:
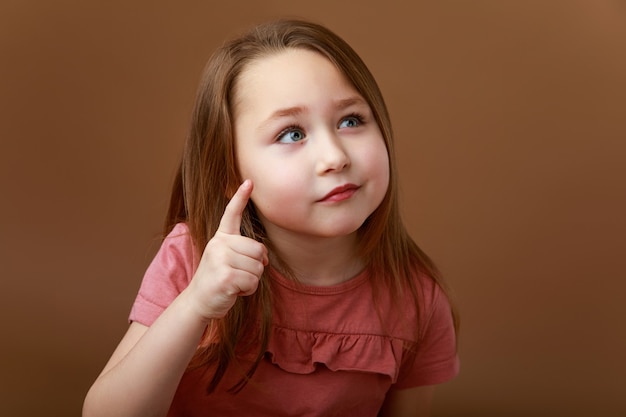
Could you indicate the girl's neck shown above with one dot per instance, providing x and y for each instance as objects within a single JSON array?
[{"x": 318, "y": 261}]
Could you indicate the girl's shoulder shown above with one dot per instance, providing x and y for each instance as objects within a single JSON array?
[
  {"x": 417, "y": 298},
  {"x": 432, "y": 303},
  {"x": 180, "y": 231},
  {"x": 168, "y": 275}
]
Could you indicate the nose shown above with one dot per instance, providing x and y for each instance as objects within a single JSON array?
[{"x": 331, "y": 154}]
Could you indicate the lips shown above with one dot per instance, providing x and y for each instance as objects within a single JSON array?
[{"x": 343, "y": 192}]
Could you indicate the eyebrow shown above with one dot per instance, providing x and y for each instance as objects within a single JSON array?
[{"x": 298, "y": 110}]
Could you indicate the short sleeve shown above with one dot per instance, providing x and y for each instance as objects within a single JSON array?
[
  {"x": 167, "y": 276},
  {"x": 436, "y": 360}
]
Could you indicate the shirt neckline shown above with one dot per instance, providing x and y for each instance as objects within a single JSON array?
[{"x": 345, "y": 286}]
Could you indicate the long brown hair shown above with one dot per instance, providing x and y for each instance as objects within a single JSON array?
[{"x": 208, "y": 176}]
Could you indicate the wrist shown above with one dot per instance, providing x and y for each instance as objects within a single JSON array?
[{"x": 189, "y": 309}]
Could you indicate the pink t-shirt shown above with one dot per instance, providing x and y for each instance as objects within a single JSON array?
[{"x": 328, "y": 353}]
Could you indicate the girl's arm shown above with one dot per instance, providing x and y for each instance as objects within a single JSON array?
[
  {"x": 412, "y": 402},
  {"x": 141, "y": 377},
  {"x": 143, "y": 373}
]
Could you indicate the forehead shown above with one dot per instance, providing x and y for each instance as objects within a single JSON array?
[
  {"x": 290, "y": 74},
  {"x": 282, "y": 61}
]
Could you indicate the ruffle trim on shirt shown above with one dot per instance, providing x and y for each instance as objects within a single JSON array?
[{"x": 302, "y": 352}]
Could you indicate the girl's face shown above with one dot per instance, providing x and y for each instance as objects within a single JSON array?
[{"x": 309, "y": 142}]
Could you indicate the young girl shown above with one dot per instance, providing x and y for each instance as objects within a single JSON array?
[{"x": 286, "y": 284}]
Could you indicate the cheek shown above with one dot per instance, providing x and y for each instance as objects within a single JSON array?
[
  {"x": 378, "y": 161},
  {"x": 384, "y": 179},
  {"x": 249, "y": 166},
  {"x": 276, "y": 185}
]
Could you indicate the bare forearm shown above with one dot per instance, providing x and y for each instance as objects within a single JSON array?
[{"x": 144, "y": 380}]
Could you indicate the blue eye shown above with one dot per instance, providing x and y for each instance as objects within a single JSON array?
[
  {"x": 351, "y": 121},
  {"x": 291, "y": 135}
]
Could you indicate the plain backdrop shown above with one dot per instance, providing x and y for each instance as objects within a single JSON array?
[{"x": 509, "y": 118}]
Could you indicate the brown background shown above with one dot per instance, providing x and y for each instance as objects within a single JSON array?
[{"x": 509, "y": 117}]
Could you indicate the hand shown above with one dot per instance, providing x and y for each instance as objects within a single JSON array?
[{"x": 231, "y": 264}]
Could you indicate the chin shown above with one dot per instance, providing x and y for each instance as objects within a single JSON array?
[{"x": 334, "y": 231}]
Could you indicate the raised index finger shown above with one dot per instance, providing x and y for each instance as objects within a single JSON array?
[{"x": 231, "y": 219}]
